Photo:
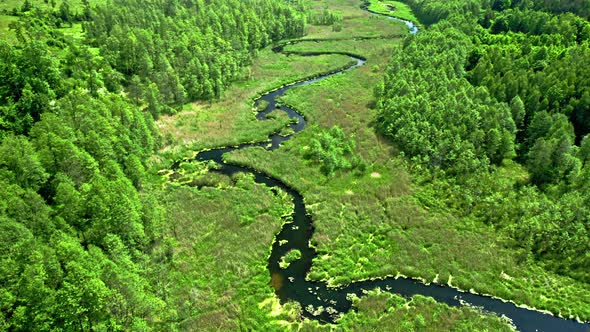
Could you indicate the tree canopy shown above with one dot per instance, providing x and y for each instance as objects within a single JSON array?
[
  {"x": 491, "y": 81},
  {"x": 77, "y": 215}
]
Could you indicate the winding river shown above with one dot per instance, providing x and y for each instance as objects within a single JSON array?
[{"x": 327, "y": 304}]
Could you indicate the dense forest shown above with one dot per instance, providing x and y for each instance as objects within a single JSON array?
[
  {"x": 171, "y": 52},
  {"x": 77, "y": 217},
  {"x": 492, "y": 85}
]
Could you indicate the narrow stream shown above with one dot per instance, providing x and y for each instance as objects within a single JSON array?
[{"x": 327, "y": 304}]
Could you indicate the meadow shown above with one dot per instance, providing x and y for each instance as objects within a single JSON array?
[
  {"x": 383, "y": 222},
  {"x": 372, "y": 211},
  {"x": 213, "y": 265},
  {"x": 230, "y": 120},
  {"x": 392, "y": 8}
]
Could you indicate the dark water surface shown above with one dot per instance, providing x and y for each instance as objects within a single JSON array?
[{"x": 326, "y": 304}]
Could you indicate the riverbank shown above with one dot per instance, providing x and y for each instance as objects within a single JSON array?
[
  {"x": 392, "y": 8},
  {"x": 365, "y": 224},
  {"x": 369, "y": 227}
]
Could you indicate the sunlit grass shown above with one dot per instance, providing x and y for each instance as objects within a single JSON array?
[
  {"x": 387, "y": 312},
  {"x": 217, "y": 242},
  {"x": 232, "y": 120},
  {"x": 392, "y": 8},
  {"x": 368, "y": 227},
  {"x": 356, "y": 22},
  {"x": 5, "y": 32},
  {"x": 373, "y": 223}
]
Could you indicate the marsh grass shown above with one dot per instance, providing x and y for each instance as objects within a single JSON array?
[
  {"x": 370, "y": 227},
  {"x": 289, "y": 258},
  {"x": 365, "y": 226},
  {"x": 231, "y": 120},
  {"x": 217, "y": 244},
  {"x": 392, "y": 8},
  {"x": 5, "y": 32},
  {"x": 356, "y": 22},
  {"x": 388, "y": 312}
]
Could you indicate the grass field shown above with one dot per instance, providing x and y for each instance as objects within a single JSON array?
[
  {"x": 375, "y": 224},
  {"x": 5, "y": 33},
  {"x": 386, "y": 312},
  {"x": 231, "y": 120},
  {"x": 213, "y": 265},
  {"x": 357, "y": 23},
  {"x": 392, "y": 8}
]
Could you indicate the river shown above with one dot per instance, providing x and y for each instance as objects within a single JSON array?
[{"x": 327, "y": 304}]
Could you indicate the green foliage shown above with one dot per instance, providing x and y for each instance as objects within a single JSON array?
[
  {"x": 289, "y": 258},
  {"x": 432, "y": 11},
  {"x": 233, "y": 291},
  {"x": 74, "y": 150},
  {"x": 85, "y": 243},
  {"x": 187, "y": 51},
  {"x": 384, "y": 311},
  {"x": 30, "y": 81},
  {"x": 326, "y": 17},
  {"x": 21, "y": 164},
  {"x": 432, "y": 113},
  {"x": 551, "y": 158},
  {"x": 392, "y": 8},
  {"x": 383, "y": 224},
  {"x": 333, "y": 152},
  {"x": 581, "y": 8},
  {"x": 72, "y": 157},
  {"x": 488, "y": 82}
]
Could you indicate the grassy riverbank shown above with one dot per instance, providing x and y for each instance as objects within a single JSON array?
[
  {"x": 388, "y": 312},
  {"x": 231, "y": 120},
  {"x": 381, "y": 214},
  {"x": 392, "y": 8},
  {"x": 215, "y": 253},
  {"x": 369, "y": 223}
]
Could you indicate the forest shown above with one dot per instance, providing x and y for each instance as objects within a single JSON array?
[
  {"x": 78, "y": 219},
  {"x": 477, "y": 128},
  {"x": 513, "y": 91}
]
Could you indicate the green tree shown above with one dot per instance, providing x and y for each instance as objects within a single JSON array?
[
  {"x": 518, "y": 111},
  {"x": 19, "y": 158}
]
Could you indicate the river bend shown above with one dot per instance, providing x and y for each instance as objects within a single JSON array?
[{"x": 327, "y": 304}]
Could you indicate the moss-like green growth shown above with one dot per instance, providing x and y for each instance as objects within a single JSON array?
[{"x": 289, "y": 258}]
